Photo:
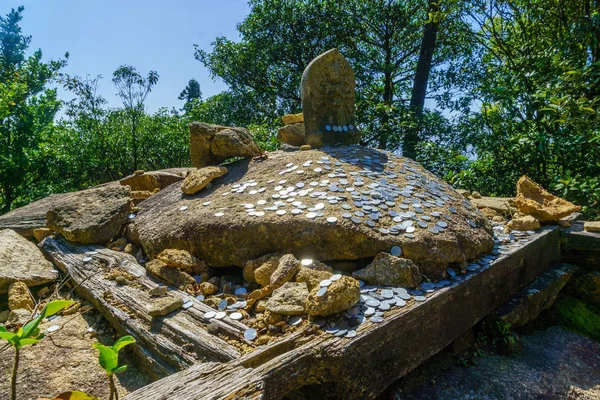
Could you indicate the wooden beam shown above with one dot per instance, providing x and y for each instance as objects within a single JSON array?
[{"x": 364, "y": 366}]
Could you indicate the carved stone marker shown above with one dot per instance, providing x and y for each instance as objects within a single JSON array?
[{"x": 327, "y": 90}]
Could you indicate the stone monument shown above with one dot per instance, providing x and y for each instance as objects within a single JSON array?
[{"x": 327, "y": 90}]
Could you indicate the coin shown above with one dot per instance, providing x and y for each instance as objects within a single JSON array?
[
  {"x": 351, "y": 334},
  {"x": 335, "y": 277},
  {"x": 250, "y": 334},
  {"x": 236, "y": 316},
  {"x": 376, "y": 319},
  {"x": 209, "y": 314},
  {"x": 183, "y": 208},
  {"x": 294, "y": 321},
  {"x": 420, "y": 298},
  {"x": 53, "y": 328},
  {"x": 188, "y": 304},
  {"x": 325, "y": 283},
  {"x": 322, "y": 292},
  {"x": 222, "y": 305},
  {"x": 220, "y": 315},
  {"x": 332, "y": 220},
  {"x": 396, "y": 251}
]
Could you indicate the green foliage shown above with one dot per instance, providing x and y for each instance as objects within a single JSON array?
[
  {"x": 108, "y": 357},
  {"x": 577, "y": 316},
  {"x": 190, "y": 94}
]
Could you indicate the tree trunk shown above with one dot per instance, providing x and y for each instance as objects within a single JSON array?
[{"x": 417, "y": 100}]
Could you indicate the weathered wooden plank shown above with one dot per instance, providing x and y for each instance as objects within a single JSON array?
[
  {"x": 362, "y": 367},
  {"x": 580, "y": 247},
  {"x": 166, "y": 344}
]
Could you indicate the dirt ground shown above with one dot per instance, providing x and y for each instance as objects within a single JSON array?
[{"x": 65, "y": 360}]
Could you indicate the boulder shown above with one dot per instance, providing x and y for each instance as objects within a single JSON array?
[
  {"x": 151, "y": 180},
  {"x": 213, "y": 144},
  {"x": 19, "y": 297},
  {"x": 293, "y": 118},
  {"x": 533, "y": 200},
  {"x": 389, "y": 270},
  {"x": 21, "y": 260},
  {"x": 182, "y": 259},
  {"x": 313, "y": 274},
  {"x": 464, "y": 192},
  {"x": 289, "y": 299},
  {"x": 340, "y": 296},
  {"x": 587, "y": 287},
  {"x": 292, "y": 134},
  {"x": 592, "y": 226},
  {"x": 164, "y": 305},
  {"x": 476, "y": 195},
  {"x": 40, "y": 233},
  {"x": 250, "y": 213},
  {"x": 93, "y": 216},
  {"x": 262, "y": 274},
  {"x": 526, "y": 223},
  {"x": 208, "y": 288},
  {"x": 327, "y": 90},
  {"x": 199, "y": 178},
  {"x": 169, "y": 275}
]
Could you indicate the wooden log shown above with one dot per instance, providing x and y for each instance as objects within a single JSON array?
[
  {"x": 165, "y": 344},
  {"x": 580, "y": 247},
  {"x": 364, "y": 366}
]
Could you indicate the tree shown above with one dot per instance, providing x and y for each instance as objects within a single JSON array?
[
  {"x": 27, "y": 110},
  {"x": 133, "y": 89},
  {"x": 191, "y": 93}
]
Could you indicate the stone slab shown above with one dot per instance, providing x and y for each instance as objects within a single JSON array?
[
  {"x": 580, "y": 247},
  {"x": 362, "y": 367}
]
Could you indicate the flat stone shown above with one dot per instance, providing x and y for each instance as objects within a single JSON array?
[
  {"x": 164, "y": 305},
  {"x": 533, "y": 200},
  {"x": 169, "y": 275},
  {"x": 340, "y": 296},
  {"x": 327, "y": 90},
  {"x": 21, "y": 260},
  {"x": 213, "y": 144},
  {"x": 592, "y": 226},
  {"x": 19, "y": 297},
  {"x": 389, "y": 270},
  {"x": 151, "y": 180},
  {"x": 289, "y": 299},
  {"x": 292, "y": 134},
  {"x": 199, "y": 178},
  {"x": 40, "y": 233},
  {"x": 501, "y": 205},
  {"x": 92, "y": 216},
  {"x": 293, "y": 118},
  {"x": 526, "y": 223}
]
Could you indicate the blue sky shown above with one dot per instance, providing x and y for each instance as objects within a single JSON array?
[{"x": 155, "y": 35}]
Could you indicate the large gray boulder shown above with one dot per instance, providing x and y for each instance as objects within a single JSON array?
[
  {"x": 213, "y": 144},
  {"x": 324, "y": 204},
  {"x": 21, "y": 260},
  {"x": 92, "y": 216}
]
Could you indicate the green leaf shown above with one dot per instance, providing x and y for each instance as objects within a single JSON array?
[
  {"x": 75, "y": 395},
  {"x": 27, "y": 342},
  {"x": 55, "y": 306},
  {"x": 31, "y": 327},
  {"x": 122, "y": 342},
  {"x": 8, "y": 336},
  {"x": 3, "y": 329},
  {"x": 120, "y": 369},
  {"x": 107, "y": 357}
]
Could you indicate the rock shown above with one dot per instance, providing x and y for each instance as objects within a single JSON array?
[
  {"x": 289, "y": 299},
  {"x": 502, "y": 205},
  {"x": 93, "y": 216},
  {"x": 235, "y": 236},
  {"x": 208, "y": 288},
  {"x": 199, "y": 178},
  {"x": 476, "y": 195},
  {"x": 305, "y": 147},
  {"x": 21, "y": 260},
  {"x": 488, "y": 212},
  {"x": 151, "y": 180},
  {"x": 4, "y": 316},
  {"x": 19, "y": 297},
  {"x": 213, "y": 144},
  {"x": 170, "y": 275},
  {"x": 464, "y": 192},
  {"x": 268, "y": 261},
  {"x": 533, "y": 200},
  {"x": 182, "y": 259},
  {"x": 18, "y": 317},
  {"x": 139, "y": 172},
  {"x": 341, "y": 295},
  {"x": 538, "y": 296},
  {"x": 592, "y": 226},
  {"x": 526, "y": 223},
  {"x": 327, "y": 91},
  {"x": 130, "y": 249},
  {"x": 164, "y": 305},
  {"x": 287, "y": 268},
  {"x": 158, "y": 291},
  {"x": 293, "y": 118},
  {"x": 292, "y": 134},
  {"x": 313, "y": 274},
  {"x": 587, "y": 287},
  {"x": 389, "y": 270},
  {"x": 40, "y": 233}
]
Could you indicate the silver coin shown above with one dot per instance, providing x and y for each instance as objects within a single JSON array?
[
  {"x": 209, "y": 314},
  {"x": 420, "y": 298},
  {"x": 373, "y": 303},
  {"x": 325, "y": 283},
  {"x": 188, "y": 304},
  {"x": 396, "y": 251},
  {"x": 351, "y": 334},
  {"x": 220, "y": 315},
  {"x": 250, "y": 334},
  {"x": 295, "y": 320},
  {"x": 328, "y": 128},
  {"x": 241, "y": 290},
  {"x": 422, "y": 224},
  {"x": 200, "y": 297},
  {"x": 410, "y": 229},
  {"x": 376, "y": 319},
  {"x": 332, "y": 220},
  {"x": 306, "y": 261},
  {"x": 335, "y": 277},
  {"x": 369, "y": 311},
  {"x": 53, "y": 328},
  {"x": 332, "y": 330},
  {"x": 387, "y": 294},
  {"x": 183, "y": 208},
  {"x": 236, "y": 316},
  {"x": 322, "y": 292},
  {"x": 219, "y": 214},
  {"x": 280, "y": 212},
  {"x": 222, "y": 305},
  {"x": 311, "y": 215},
  {"x": 86, "y": 259}
]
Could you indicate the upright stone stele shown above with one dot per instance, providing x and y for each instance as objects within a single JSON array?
[{"x": 327, "y": 90}]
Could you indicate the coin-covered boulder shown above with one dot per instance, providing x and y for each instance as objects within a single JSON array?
[
  {"x": 533, "y": 200},
  {"x": 213, "y": 144},
  {"x": 327, "y": 90},
  {"x": 387, "y": 269},
  {"x": 289, "y": 299},
  {"x": 339, "y": 296},
  {"x": 337, "y": 203}
]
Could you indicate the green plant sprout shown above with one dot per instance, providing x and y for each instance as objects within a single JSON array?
[
  {"x": 29, "y": 334},
  {"x": 109, "y": 360}
]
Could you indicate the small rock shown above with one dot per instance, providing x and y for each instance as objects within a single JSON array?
[
  {"x": 305, "y": 147},
  {"x": 313, "y": 274},
  {"x": 274, "y": 329},
  {"x": 533, "y": 200},
  {"x": 287, "y": 268},
  {"x": 4, "y": 316},
  {"x": 208, "y": 288},
  {"x": 269, "y": 261},
  {"x": 140, "y": 195},
  {"x": 526, "y": 223},
  {"x": 463, "y": 192},
  {"x": 170, "y": 275},
  {"x": 341, "y": 295},
  {"x": 293, "y": 118},
  {"x": 158, "y": 291},
  {"x": 139, "y": 172},
  {"x": 488, "y": 212},
  {"x": 592, "y": 226},
  {"x": 289, "y": 299},
  {"x": 213, "y": 144},
  {"x": 164, "y": 305},
  {"x": 19, "y": 297},
  {"x": 18, "y": 317},
  {"x": 389, "y": 270},
  {"x": 476, "y": 195},
  {"x": 130, "y": 249},
  {"x": 121, "y": 280},
  {"x": 292, "y": 134},
  {"x": 212, "y": 328},
  {"x": 262, "y": 274},
  {"x": 153, "y": 180},
  {"x": 199, "y": 178},
  {"x": 181, "y": 259},
  {"x": 40, "y": 233}
]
